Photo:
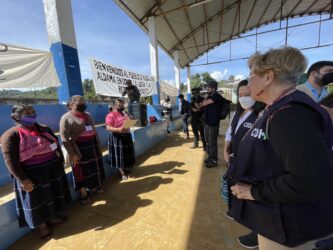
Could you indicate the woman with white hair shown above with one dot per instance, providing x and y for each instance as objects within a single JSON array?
[{"x": 283, "y": 177}]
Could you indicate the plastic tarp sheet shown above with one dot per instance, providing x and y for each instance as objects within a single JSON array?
[{"x": 26, "y": 68}]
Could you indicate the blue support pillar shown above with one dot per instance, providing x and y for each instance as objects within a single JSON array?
[
  {"x": 61, "y": 34},
  {"x": 157, "y": 97}
]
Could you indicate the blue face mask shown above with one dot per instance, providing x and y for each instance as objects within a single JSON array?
[{"x": 28, "y": 120}]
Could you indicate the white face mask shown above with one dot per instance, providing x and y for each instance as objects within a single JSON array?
[{"x": 246, "y": 102}]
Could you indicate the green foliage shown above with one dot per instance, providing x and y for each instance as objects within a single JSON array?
[
  {"x": 231, "y": 78},
  {"x": 48, "y": 93},
  {"x": 302, "y": 79},
  {"x": 198, "y": 81},
  {"x": 89, "y": 90},
  {"x": 206, "y": 77},
  {"x": 222, "y": 83}
]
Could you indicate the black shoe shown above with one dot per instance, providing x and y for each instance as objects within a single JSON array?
[
  {"x": 249, "y": 241},
  {"x": 168, "y": 131},
  {"x": 229, "y": 215},
  {"x": 207, "y": 160},
  {"x": 204, "y": 148},
  {"x": 211, "y": 164}
]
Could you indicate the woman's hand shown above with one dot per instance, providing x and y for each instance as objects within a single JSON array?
[
  {"x": 75, "y": 159},
  {"x": 242, "y": 191},
  {"x": 124, "y": 130},
  {"x": 27, "y": 185}
]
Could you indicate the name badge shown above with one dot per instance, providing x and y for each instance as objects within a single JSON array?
[
  {"x": 54, "y": 146},
  {"x": 89, "y": 128}
]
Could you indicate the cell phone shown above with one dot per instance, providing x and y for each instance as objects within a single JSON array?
[{"x": 327, "y": 101}]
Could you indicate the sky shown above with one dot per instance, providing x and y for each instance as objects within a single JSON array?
[{"x": 105, "y": 32}]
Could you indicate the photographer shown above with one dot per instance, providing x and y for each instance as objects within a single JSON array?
[
  {"x": 167, "y": 112},
  {"x": 197, "y": 119}
]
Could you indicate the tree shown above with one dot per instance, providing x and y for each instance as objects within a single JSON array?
[
  {"x": 231, "y": 78},
  {"x": 222, "y": 83},
  {"x": 196, "y": 81},
  {"x": 89, "y": 90},
  {"x": 206, "y": 78},
  {"x": 183, "y": 88}
]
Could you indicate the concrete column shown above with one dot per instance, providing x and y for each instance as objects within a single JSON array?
[
  {"x": 188, "y": 81},
  {"x": 154, "y": 58},
  {"x": 177, "y": 71},
  {"x": 62, "y": 41}
]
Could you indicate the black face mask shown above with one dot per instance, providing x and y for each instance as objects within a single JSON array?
[
  {"x": 327, "y": 79},
  {"x": 81, "y": 107},
  {"x": 120, "y": 110}
]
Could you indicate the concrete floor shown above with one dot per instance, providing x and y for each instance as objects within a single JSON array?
[{"x": 171, "y": 202}]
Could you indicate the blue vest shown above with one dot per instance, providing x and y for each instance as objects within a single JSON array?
[
  {"x": 290, "y": 224},
  {"x": 243, "y": 128}
]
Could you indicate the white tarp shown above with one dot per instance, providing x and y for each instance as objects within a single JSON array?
[
  {"x": 168, "y": 89},
  {"x": 26, "y": 68},
  {"x": 110, "y": 80}
]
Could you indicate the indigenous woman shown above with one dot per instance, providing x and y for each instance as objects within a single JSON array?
[
  {"x": 34, "y": 159},
  {"x": 121, "y": 150},
  {"x": 80, "y": 139}
]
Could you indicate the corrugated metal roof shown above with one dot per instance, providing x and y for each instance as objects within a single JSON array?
[{"x": 195, "y": 30}]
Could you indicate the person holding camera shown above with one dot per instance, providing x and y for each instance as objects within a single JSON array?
[{"x": 167, "y": 111}]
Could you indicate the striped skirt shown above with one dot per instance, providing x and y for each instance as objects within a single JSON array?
[
  {"x": 121, "y": 150},
  {"x": 89, "y": 173},
  {"x": 49, "y": 197}
]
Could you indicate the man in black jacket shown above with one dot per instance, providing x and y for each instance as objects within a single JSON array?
[
  {"x": 133, "y": 94},
  {"x": 213, "y": 106},
  {"x": 197, "y": 119}
]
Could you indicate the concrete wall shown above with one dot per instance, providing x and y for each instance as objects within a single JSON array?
[{"x": 144, "y": 139}]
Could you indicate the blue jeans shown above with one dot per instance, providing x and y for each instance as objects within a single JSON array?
[
  {"x": 185, "y": 118},
  {"x": 130, "y": 108}
]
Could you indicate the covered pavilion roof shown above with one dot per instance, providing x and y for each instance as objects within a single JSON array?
[{"x": 194, "y": 27}]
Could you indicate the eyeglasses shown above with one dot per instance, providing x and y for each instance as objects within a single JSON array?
[{"x": 249, "y": 78}]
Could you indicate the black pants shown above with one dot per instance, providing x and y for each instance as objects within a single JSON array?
[
  {"x": 198, "y": 128},
  {"x": 212, "y": 134}
]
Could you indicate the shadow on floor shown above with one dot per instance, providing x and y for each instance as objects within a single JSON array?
[
  {"x": 210, "y": 228},
  {"x": 120, "y": 201}
]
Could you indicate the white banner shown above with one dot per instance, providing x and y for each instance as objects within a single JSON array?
[
  {"x": 110, "y": 80},
  {"x": 26, "y": 68}
]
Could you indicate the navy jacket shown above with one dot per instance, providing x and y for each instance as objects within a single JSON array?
[{"x": 289, "y": 223}]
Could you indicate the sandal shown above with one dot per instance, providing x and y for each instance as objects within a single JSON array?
[
  {"x": 84, "y": 200},
  {"x": 98, "y": 190},
  {"x": 44, "y": 232},
  {"x": 57, "y": 220}
]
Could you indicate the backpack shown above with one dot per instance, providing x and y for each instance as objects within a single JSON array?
[{"x": 225, "y": 108}]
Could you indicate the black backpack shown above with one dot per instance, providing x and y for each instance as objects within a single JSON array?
[
  {"x": 224, "y": 108},
  {"x": 186, "y": 109}
]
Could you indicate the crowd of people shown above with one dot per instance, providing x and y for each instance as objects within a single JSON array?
[
  {"x": 278, "y": 149},
  {"x": 35, "y": 160}
]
